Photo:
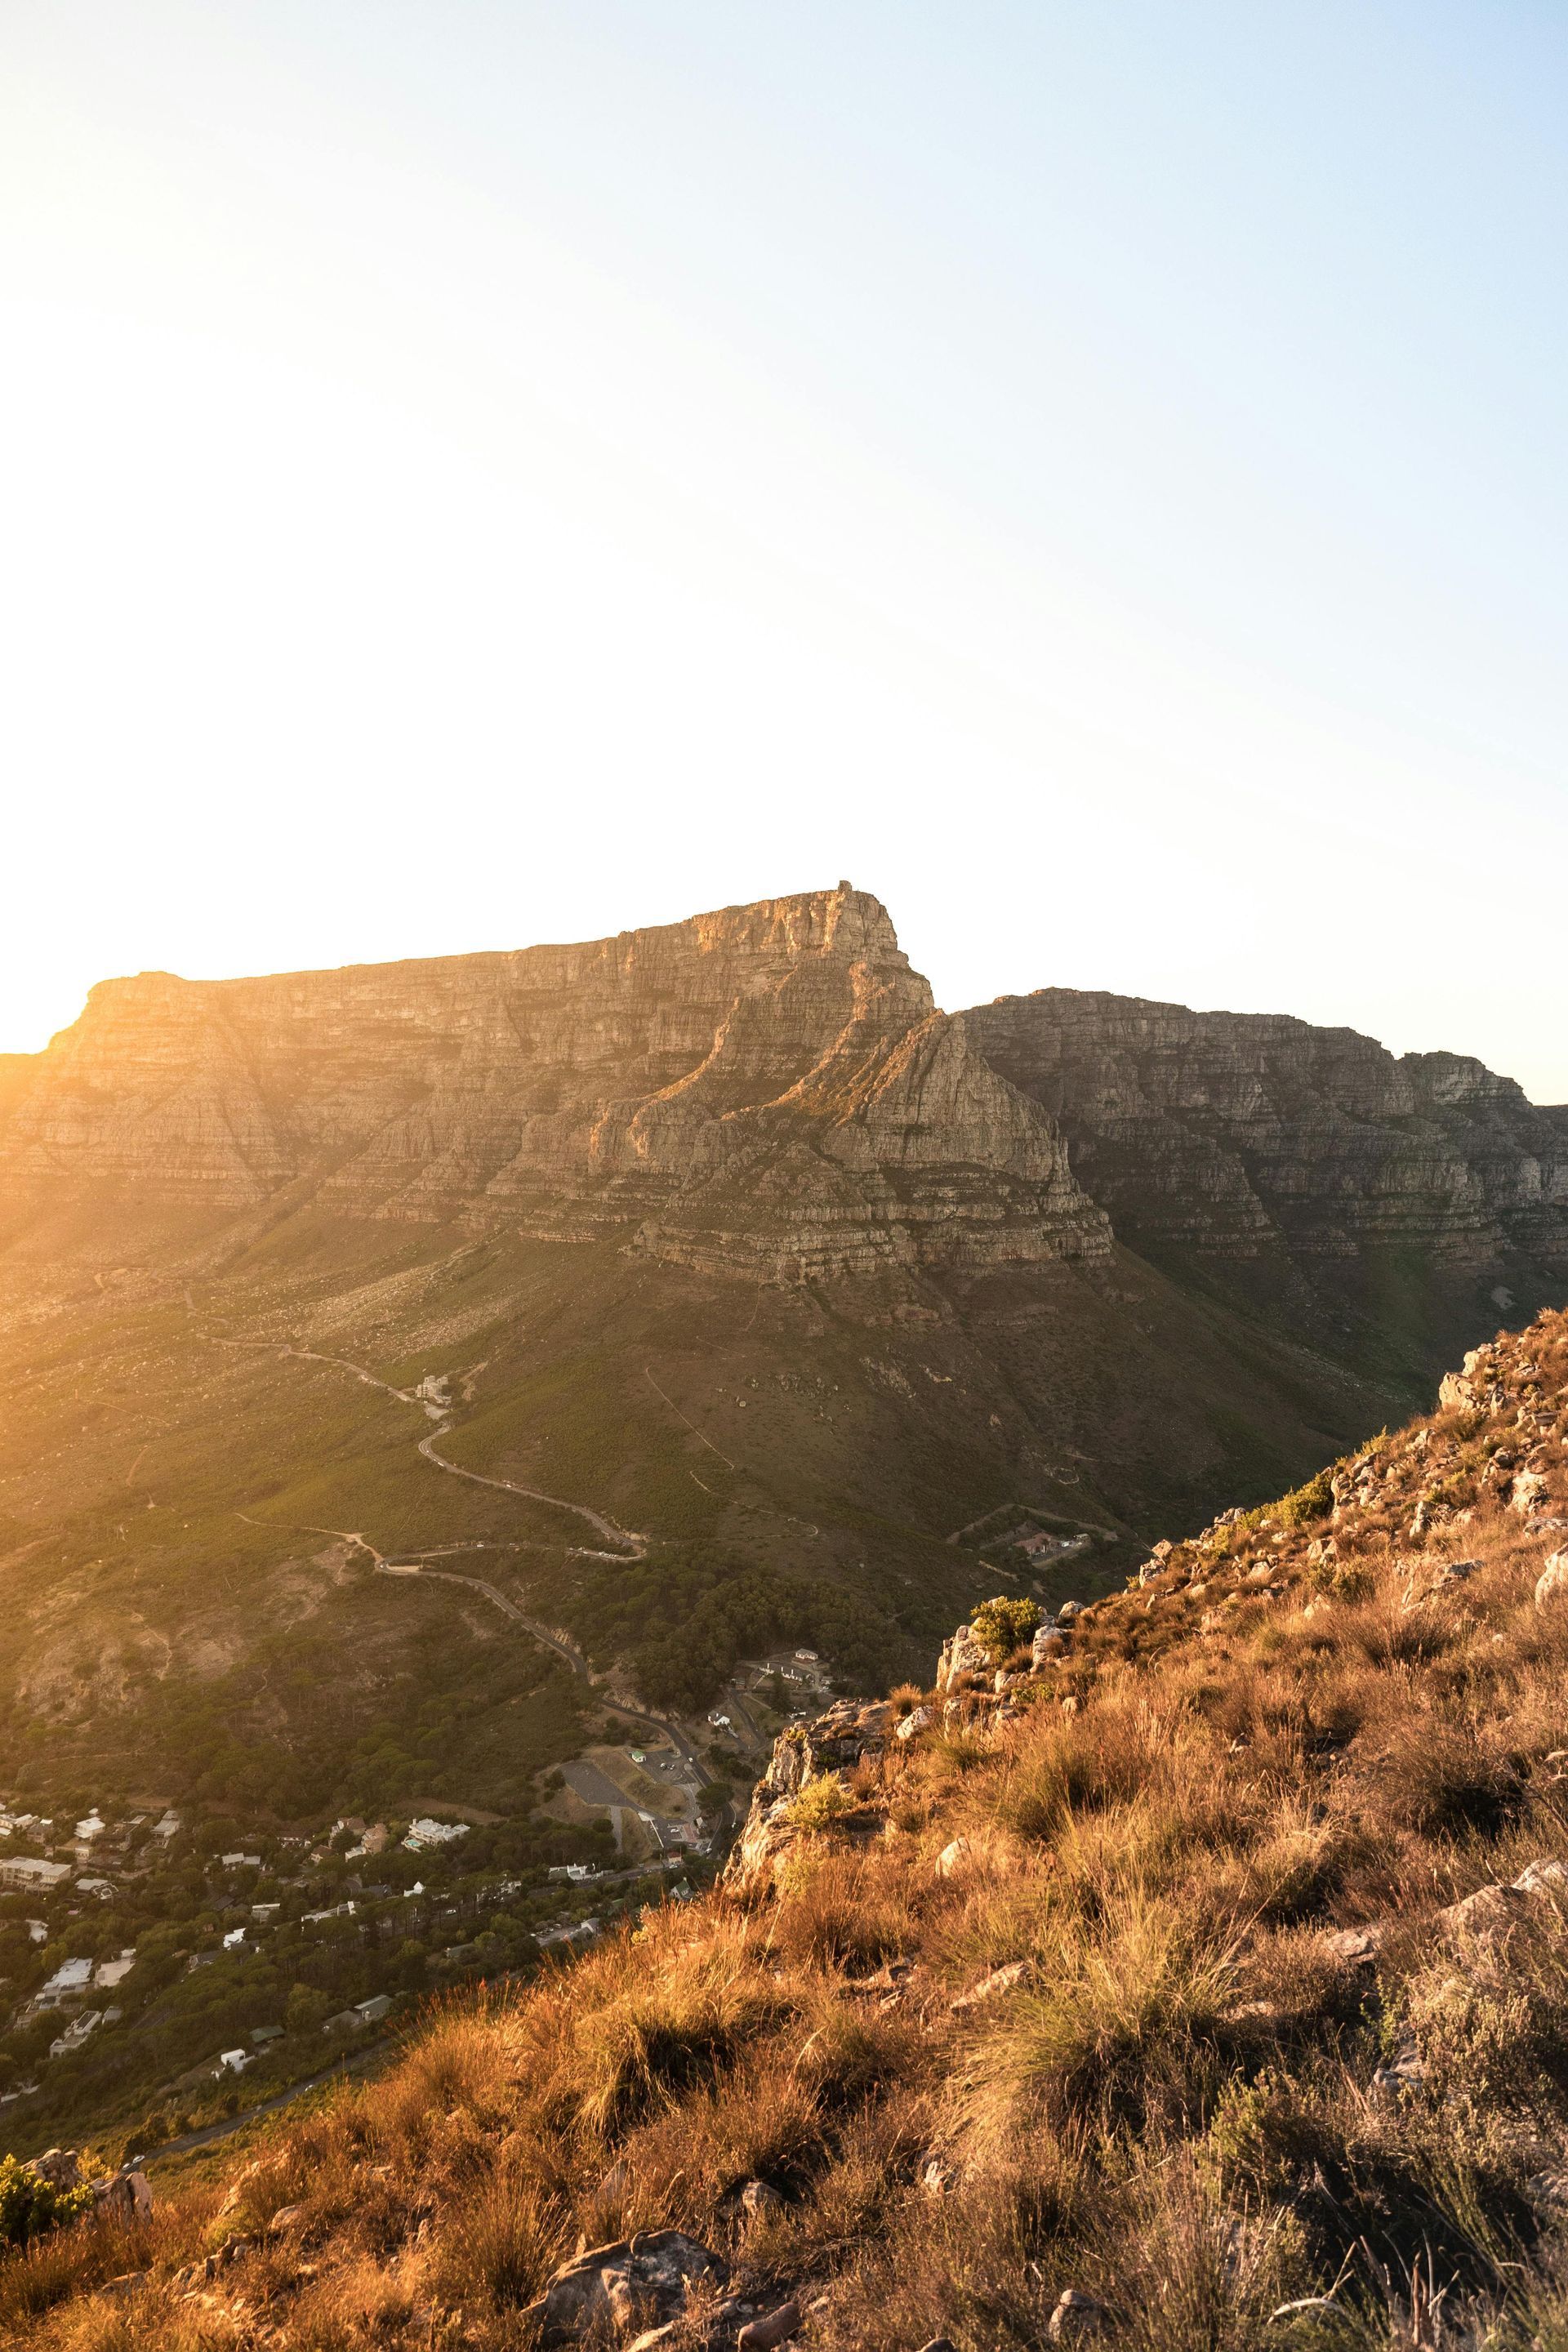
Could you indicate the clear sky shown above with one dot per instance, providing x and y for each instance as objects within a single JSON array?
[{"x": 1090, "y": 471}]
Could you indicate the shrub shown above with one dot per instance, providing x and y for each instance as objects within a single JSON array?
[
  {"x": 1000, "y": 1626},
  {"x": 1305, "y": 1504},
  {"x": 29, "y": 2206},
  {"x": 820, "y": 1803}
]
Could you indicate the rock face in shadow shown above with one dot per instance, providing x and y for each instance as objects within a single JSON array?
[
  {"x": 765, "y": 1091},
  {"x": 1256, "y": 1137}
]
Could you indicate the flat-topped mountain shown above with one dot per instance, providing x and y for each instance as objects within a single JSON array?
[{"x": 767, "y": 1089}]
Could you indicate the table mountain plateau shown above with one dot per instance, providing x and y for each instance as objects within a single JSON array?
[{"x": 766, "y": 1090}]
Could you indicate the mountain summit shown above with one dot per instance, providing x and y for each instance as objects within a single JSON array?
[{"x": 766, "y": 1090}]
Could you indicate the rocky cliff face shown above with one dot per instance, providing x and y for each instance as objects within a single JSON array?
[
  {"x": 1248, "y": 1136},
  {"x": 765, "y": 1090},
  {"x": 768, "y": 1091}
]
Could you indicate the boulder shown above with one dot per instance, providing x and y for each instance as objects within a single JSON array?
[
  {"x": 1531, "y": 1493},
  {"x": 1353, "y": 1947},
  {"x": 919, "y": 1719},
  {"x": 1551, "y": 1584},
  {"x": 1076, "y": 2315},
  {"x": 1049, "y": 1643},
  {"x": 616, "y": 2286},
  {"x": 125, "y": 2196},
  {"x": 774, "y": 2327},
  {"x": 759, "y": 2201},
  {"x": 60, "y": 2166},
  {"x": 954, "y": 1858},
  {"x": 963, "y": 1655},
  {"x": 1543, "y": 1877}
]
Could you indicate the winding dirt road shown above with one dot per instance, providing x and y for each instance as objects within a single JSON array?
[{"x": 634, "y": 1546}]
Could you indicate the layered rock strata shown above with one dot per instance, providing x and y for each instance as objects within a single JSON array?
[
  {"x": 1248, "y": 1135},
  {"x": 765, "y": 1090}
]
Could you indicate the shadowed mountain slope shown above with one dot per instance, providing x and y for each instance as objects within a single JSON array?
[{"x": 1389, "y": 1205}]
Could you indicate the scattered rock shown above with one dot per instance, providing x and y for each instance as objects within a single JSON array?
[
  {"x": 886, "y": 1986},
  {"x": 919, "y": 1719},
  {"x": 953, "y": 1858},
  {"x": 60, "y": 2166},
  {"x": 1542, "y": 1878},
  {"x": 937, "y": 2175},
  {"x": 773, "y": 2327},
  {"x": 1076, "y": 2315},
  {"x": 644, "y": 2278},
  {"x": 1552, "y": 1582},
  {"x": 1489, "y": 1917},
  {"x": 1405, "y": 2071},
  {"x": 1262, "y": 2016},
  {"x": 758, "y": 2200},
  {"x": 999, "y": 1980},
  {"x": 1354, "y": 1947}
]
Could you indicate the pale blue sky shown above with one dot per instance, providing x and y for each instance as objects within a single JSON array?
[{"x": 1093, "y": 474}]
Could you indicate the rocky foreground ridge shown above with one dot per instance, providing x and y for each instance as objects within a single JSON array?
[
  {"x": 1190, "y": 1971},
  {"x": 768, "y": 1091}
]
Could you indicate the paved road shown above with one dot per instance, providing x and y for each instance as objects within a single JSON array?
[{"x": 343, "y": 2071}]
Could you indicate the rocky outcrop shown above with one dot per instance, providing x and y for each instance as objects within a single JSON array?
[
  {"x": 764, "y": 1090},
  {"x": 821, "y": 1753},
  {"x": 1253, "y": 1135}
]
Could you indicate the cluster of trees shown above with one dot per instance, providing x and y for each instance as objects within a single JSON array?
[{"x": 684, "y": 1620}]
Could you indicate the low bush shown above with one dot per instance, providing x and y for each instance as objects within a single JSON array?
[
  {"x": 1002, "y": 1626},
  {"x": 31, "y": 2206}
]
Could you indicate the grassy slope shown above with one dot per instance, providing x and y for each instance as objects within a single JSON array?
[
  {"x": 162, "y": 1495},
  {"x": 1175, "y": 2106}
]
